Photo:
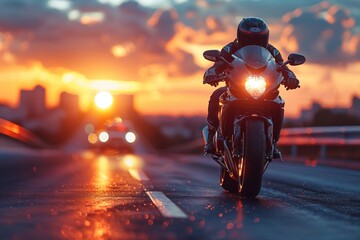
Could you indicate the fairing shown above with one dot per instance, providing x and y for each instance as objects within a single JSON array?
[
  {"x": 254, "y": 56},
  {"x": 253, "y": 60}
]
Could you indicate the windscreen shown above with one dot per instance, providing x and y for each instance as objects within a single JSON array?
[{"x": 254, "y": 56}]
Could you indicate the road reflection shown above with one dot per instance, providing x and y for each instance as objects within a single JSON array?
[
  {"x": 130, "y": 162},
  {"x": 109, "y": 187},
  {"x": 134, "y": 164},
  {"x": 102, "y": 175},
  {"x": 237, "y": 215}
]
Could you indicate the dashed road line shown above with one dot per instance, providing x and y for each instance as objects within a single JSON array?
[
  {"x": 138, "y": 174},
  {"x": 166, "y": 207}
]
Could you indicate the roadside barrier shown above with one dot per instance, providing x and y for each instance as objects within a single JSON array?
[
  {"x": 17, "y": 132},
  {"x": 323, "y": 137}
]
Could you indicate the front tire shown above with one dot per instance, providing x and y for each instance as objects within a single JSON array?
[{"x": 251, "y": 166}]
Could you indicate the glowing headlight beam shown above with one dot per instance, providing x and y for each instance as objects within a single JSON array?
[
  {"x": 255, "y": 86},
  {"x": 104, "y": 137},
  {"x": 130, "y": 137}
]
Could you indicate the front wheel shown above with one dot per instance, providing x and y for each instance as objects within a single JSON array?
[{"x": 251, "y": 166}]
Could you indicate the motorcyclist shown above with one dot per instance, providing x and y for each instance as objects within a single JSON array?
[{"x": 250, "y": 31}]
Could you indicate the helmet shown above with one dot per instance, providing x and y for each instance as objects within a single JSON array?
[{"x": 252, "y": 31}]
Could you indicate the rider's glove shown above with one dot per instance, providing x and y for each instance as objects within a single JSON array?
[
  {"x": 290, "y": 80},
  {"x": 209, "y": 77},
  {"x": 210, "y": 80},
  {"x": 291, "y": 83}
]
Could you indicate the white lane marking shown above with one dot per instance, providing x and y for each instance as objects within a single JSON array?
[
  {"x": 166, "y": 207},
  {"x": 138, "y": 174}
]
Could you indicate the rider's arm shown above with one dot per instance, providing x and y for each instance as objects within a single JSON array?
[
  {"x": 279, "y": 60},
  {"x": 226, "y": 52},
  {"x": 291, "y": 81},
  {"x": 219, "y": 67}
]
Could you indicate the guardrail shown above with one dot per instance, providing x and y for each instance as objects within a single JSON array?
[
  {"x": 17, "y": 132},
  {"x": 338, "y": 131},
  {"x": 323, "y": 137}
]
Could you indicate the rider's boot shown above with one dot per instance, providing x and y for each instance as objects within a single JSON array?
[
  {"x": 278, "y": 120},
  {"x": 210, "y": 147}
]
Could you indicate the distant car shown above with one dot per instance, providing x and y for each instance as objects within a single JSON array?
[{"x": 115, "y": 134}]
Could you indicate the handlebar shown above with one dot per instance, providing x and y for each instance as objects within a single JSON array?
[{"x": 283, "y": 83}]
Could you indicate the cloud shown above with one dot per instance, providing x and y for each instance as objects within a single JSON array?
[
  {"x": 121, "y": 42},
  {"x": 98, "y": 40},
  {"x": 324, "y": 33},
  {"x": 20, "y": 15}
]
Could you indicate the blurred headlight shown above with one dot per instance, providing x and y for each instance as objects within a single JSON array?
[
  {"x": 103, "y": 137},
  {"x": 130, "y": 137},
  {"x": 92, "y": 138},
  {"x": 255, "y": 86}
]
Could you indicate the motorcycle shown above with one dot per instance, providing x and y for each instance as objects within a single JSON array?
[{"x": 247, "y": 110}]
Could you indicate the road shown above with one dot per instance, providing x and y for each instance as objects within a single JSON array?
[{"x": 89, "y": 195}]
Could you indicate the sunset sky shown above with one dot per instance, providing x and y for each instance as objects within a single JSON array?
[{"x": 153, "y": 48}]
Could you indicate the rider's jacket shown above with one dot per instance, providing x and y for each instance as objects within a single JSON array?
[{"x": 231, "y": 48}]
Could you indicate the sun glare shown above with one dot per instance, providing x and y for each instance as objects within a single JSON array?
[{"x": 103, "y": 99}]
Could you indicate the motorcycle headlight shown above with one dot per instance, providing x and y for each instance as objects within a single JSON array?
[{"x": 255, "y": 86}]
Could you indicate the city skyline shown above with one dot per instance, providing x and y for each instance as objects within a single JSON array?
[{"x": 33, "y": 101}]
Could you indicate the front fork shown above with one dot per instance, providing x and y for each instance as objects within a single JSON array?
[
  {"x": 236, "y": 151},
  {"x": 239, "y": 122}
]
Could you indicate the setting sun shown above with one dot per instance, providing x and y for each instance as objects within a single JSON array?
[{"x": 103, "y": 99}]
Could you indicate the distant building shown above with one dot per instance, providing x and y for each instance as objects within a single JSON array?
[
  {"x": 355, "y": 107},
  {"x": 32, "y": 102},
  {"x": 307, "y": 115},
  {"x": 340, "y": 110},
  {"x": 38, "y": 101},
  {"x": 69, "y": 103}
]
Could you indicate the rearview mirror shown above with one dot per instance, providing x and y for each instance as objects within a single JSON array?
[
  {"x": 212, "y": 55},
  {"x": 296, "y": 59}
]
